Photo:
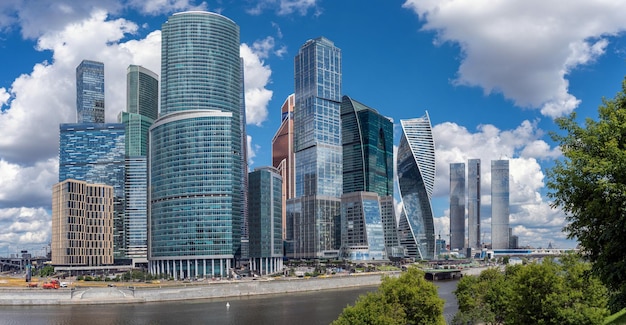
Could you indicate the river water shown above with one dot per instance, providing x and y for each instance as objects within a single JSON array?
[{"x": 318, "y": 307}]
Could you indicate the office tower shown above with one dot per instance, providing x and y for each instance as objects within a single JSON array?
[
  {"x": 90, "y": 92},
  {"x": 82, "y": 224},
  {"x": 283, "y": 158},
  {"x": 367, "y": 141},
  {"x": 367, "y": 144},
  {"x": 265, "y": 220},
  {"x": 317, "y": 138},
  {"x": 244, "y": 251},
  {"x": 457, "y": 206},
  {"x": 416, "y": 178},
  {"x": 362, "y": 237},
  {"x": 195, "y": 156},
  {"x": 473, "y": 204},
  {"x": 94, "y": 153},
  {"x": 142, "y": 108},
  {"x": 499, "y": 204}
]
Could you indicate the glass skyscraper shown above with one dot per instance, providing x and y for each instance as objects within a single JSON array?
[
  {"x": 317, "y": 128},
  {"x": 457, "y": 206},
  {"x": 90, "y": 92},
  {"x": 195, "y": 157},
  {"x": 265, "y": 220},
  {"x": 473, "y": 204},
  {"x": 142, "y": 108},
  {"x": 499, "y": 204},
  {"x": 416, "y": 178},
  {"x": 362, "y": 229},
  {"x": 367, "y": 141}
]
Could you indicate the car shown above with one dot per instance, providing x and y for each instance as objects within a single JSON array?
[
  {"x": 63, "y": 284},
  {"x": 111, "y": 285}
]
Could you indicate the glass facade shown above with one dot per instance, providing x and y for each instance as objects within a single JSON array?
[
  {"x": 196, "y": 167},
  {"x": 416, "y": 177},
  {"x": 367, "y": 140},
  {"x": 362, "y": 230},
  {"x": 94, "y": 153},
  {"x": 318, "y": 152},
  {"x": 457, "y": 206},
  {"x": 473, "y": 204},
  {"x": 90, "y": 92},
  {"x": 265, "y": 220},
  {"x": 142, "y": 92},
  {"x": 499, "y": 204},
  {"x": 191, "y": 207},
  {"x": 142, "y": 107}
]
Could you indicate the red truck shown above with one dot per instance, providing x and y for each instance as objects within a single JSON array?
[{"x": 54, "y": 284}]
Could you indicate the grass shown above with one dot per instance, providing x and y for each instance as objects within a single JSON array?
[{"x": 617, "y": 318}]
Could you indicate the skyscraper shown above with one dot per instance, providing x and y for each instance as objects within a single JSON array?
[
  {"x": 367, "y": 141},
  {"x": 195, "y": 157},
  {"x": 318, "y": 151},
  {"x": 473, "y": 204},
  {"x": 457, "y": 206},
  {"x": 265, "y": 220},
  {"x": 90, "y": 92},
  {"x": 499, "y": 204},
  {"x": 416, "y": 178},
  {"x": 93, "y": 151},
  {"x": 142, "y": 108},
  {"x": 283, "y": 157}
]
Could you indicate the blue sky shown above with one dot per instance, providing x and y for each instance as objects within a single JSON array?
[{"x": 491, "y": 73}]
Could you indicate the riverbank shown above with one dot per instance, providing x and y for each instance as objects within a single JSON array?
[{"x": 160, "y": 293}]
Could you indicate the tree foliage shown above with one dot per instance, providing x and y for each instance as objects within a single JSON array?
[
  {"x": 589, "y": 185},
  {"x": 559, "y": 291},
  {"x": 407, "y": 299}
]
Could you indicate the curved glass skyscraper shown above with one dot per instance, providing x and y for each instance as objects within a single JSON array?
[
  {"x": 416, "y": 178},
  {"x": 195, "y": 157}
]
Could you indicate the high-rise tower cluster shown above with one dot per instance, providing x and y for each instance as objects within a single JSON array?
[{"x": 171, "y": 190}]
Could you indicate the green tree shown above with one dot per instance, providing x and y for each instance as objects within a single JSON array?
[
  {"x": 47, "y": 270},
  {"x": 559, "y": 291},
  {"x": 407, "y": 299},
  {"x": 589, "y": 185}
]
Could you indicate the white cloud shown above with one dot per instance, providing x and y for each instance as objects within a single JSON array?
[
  {"x": 522, "y": 146},
  {"x": 24, "y": 228},
  {"x": 4, "y": 97},
  {"x": 252, "y": 150},
  {"x": 524, "y": 49},
  {"x": 27, "y": 185},
  {"x": 155, "y": 7},
  {"x": 257, "y": 77}
]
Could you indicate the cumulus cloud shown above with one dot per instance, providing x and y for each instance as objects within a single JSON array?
[
  {"x": 155, "y": 7},
  {"x": 523, "y": 49},
  {"x": 24, "y": 228},
  {"x": 27, "y": 185},
  {"x": 256, "y": 78},
  {"x": 530, "y": 211},
  {"x": 252, "y": 150}
]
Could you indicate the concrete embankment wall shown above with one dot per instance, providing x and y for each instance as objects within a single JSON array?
[
  {"x": 182, "y": 292},
  {"x": 251, "y": 288}
]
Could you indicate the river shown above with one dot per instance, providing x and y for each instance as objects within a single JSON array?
[{"x": 317, "y": 307}]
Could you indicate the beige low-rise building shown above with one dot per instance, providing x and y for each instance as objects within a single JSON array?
[{"x": 82, "y": 224}]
